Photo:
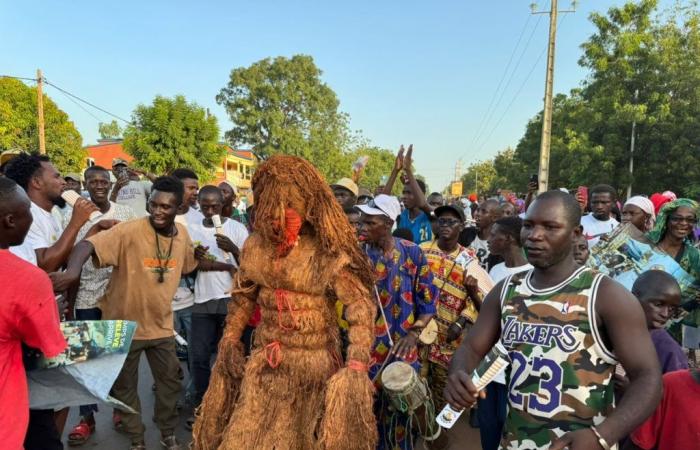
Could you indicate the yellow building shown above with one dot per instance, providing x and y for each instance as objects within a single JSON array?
[{"x": 238, "y": 168}]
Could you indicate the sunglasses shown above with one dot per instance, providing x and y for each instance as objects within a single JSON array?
[
  {"x": 448, "y": 222},
  {"x": 679, "y": 219}
]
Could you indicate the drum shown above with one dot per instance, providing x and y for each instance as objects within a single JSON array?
[
  {"x": 410, "y": 394},
  {"x": 406, "y": 390}
]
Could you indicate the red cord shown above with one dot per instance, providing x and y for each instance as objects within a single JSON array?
[
  {"x": 273, "y": 353},
  {"x": 359, "y": 366}
]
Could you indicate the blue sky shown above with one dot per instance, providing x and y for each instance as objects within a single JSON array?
[{"x": 405, "y": 71}]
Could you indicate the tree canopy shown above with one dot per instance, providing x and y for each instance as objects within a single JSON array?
[
  {"x": 110, "y": 130},
  {"x": 281, "y": 105},
  {"x": 19, "y": 128},
  {"x": 644, "y": 67},
  {"x": 174, "y": 133}
]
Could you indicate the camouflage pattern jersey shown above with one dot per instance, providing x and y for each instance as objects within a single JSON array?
[{"x": 560, "y": 377}]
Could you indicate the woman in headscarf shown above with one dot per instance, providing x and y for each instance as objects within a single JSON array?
[
  {"x": 639, "y": 211},
  {"x": 674, "y": 225}
]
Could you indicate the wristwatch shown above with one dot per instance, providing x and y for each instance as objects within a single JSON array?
[{"x": 603, "y": 443}]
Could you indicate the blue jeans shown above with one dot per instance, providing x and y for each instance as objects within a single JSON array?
[
  {"x": 183, "y": 326},
  {"x": 492, "y": 415},
  {"x": 88, "y": 314}
]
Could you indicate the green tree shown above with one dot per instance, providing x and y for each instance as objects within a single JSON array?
[
  {"x": 19, "y": 129},
  {"x": 174, "y": 133},
  {"x": 643, "y": 68},
  {"x": 110, "y": 130},
  {"x": 281, "y": 105},
  {"x": 479, "y": 177}
]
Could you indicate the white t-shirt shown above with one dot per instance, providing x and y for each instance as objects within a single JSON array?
[
  {"x": 593, "y": 228},
  {"x": 500, "y": 271},
  {"x": 211, "y": 285},
  {"x": 46, "y": 229},
  {"x": 135, "y": 194},
  {"x": 184, "y": 297},
  {"x": 481, "y": 247}
]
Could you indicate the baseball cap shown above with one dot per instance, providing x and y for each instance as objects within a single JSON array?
[
  {"x": 449, "y": 208},
  {"x": 118, "y": 161},
  {"x": 72, "y": 176},
  {"x": 346, "y": 183},
  {"x": 364, "y": 192},
  {"x": 382, "y": 205},
  {"x": 232, "y": 186}
]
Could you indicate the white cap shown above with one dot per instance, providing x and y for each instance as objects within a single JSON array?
[{"x": 382, "y": 205}]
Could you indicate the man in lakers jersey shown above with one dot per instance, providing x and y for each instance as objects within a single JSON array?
[{"x": 565, "y": 328}]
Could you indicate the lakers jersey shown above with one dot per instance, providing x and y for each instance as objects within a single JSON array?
[{"x": 560, "y": 377}]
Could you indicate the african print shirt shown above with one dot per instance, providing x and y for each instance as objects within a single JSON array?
[
  {"x": 453, "y": 299},
  {"x": 559, "y": 380},
  {"x": 406, "y": 290}
]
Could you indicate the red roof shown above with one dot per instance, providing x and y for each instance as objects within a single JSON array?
[{"x": 104, "y": 152}]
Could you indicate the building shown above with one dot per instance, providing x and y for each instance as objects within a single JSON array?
[{"x": 237, "y": 167}]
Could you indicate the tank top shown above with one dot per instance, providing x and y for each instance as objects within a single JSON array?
[{"x": 560, "y": 377}]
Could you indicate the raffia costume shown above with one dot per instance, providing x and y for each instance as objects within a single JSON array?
[{"x": 294, "y": 392}]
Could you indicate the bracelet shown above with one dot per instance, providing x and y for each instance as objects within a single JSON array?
[{"x": 602, "y": 442}]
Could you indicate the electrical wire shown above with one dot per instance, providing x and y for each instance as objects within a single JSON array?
[
  {"x": 18, "y": 78},
  {"x": 128, "y": 122},
  {"x": 500, "y": 82}
]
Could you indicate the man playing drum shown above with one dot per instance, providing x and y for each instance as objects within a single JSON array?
[{"x": 406, "y": 293}]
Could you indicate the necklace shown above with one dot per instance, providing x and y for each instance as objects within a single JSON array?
[{"x": 163, "y": 259}]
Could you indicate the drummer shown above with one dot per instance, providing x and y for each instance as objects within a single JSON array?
[
  {"x": 407, "y": 294},
  {"x": 462, "y": 283}
]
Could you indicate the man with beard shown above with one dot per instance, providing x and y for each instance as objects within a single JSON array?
[
  {"x": 48, "y": 244},
  {"x": 560, "y": 324},
  {"x": 477, "y": 237},
  {"x": 599, "y": 222},
  {"x": 93, "y": 281}
]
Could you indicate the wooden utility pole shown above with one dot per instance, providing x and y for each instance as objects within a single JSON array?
[
  {"x": 547, "y": 115},
  {"x": 543, "y": 174},
  {"x": 632, "y": 139},
  {"x": 40, "y": 110}
]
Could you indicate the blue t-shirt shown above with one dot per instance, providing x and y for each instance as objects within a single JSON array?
[{"x": 420, "y": 226}]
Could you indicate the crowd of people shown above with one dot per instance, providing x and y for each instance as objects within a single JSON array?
[{"x": 452, "y": 278}]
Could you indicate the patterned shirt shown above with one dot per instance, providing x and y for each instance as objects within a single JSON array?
[
  {"x": 453, "y": 300},
  {"x": 93, "y": 282},
  {"x": 406, "y": 290},
  {"x": 559, "y": 380}
]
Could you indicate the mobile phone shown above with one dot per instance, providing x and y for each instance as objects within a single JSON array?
[
  {"x": 583, "y": 194},
  {"x": 534, "y": 178}
]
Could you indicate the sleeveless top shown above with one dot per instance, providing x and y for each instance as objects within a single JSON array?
[{"x": 560, "y": 377}]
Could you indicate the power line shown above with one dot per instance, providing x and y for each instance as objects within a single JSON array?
[
  {"x": 18, "y": 78},
  {"x": 81, "y": 107},
  {"x": 503, "y": 77},
  {"x": 128, "y": 122},
  {"x": 518, "y": 92},
  {"x": 512, "y": 74}
]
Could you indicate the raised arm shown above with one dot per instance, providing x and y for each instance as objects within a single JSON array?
[
  {"x": 398, "y": 165},
  {"x": 460, "y": 391},
  {"x": 418, "y": 194},
  {"x": 52, "y": 258},
  {"x": 624, "y": 324}
]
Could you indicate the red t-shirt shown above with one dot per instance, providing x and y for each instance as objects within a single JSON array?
[
  {"x": 28, "y": 313},
  {"x": 676, "y": 422}
]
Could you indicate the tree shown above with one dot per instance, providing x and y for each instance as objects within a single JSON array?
[
  {"x": 380, "y": 163},
  {"x": 281, "y": 105},
  {"x": 173, "y": 133},
  {"x": 19, "y": 129},
  {"x": 110, "y": 130},
  {"x": 479, "y": 178},
  {"x": 644, "y": 68}
]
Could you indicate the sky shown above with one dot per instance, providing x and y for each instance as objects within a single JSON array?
[{"x": 407, "y": 72}]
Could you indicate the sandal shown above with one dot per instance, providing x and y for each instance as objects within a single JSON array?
[
  {"x": 117, "y": 421},
  {"x": 170, "y": 442},
  {"x": 81, "y": 433}
]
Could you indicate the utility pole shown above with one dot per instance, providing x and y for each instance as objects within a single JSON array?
[
  {"x": 458, "y": 169},
  {"x": 40, "y": 110},
  {"x": 634, "y": 128},
  {"x": 548, "y": 89}
]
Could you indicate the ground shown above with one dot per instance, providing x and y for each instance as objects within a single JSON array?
[{"x": 462, "y": 436}]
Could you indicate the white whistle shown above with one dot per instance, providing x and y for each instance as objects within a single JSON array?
[{"x": 71, "y": 197}]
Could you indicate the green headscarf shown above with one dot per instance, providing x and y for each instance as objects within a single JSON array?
[{"x": 662, "y": 218}]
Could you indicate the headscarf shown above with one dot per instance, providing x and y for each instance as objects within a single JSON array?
[
  {"x": 658, "y": 200},
  {"x": 645, "y": 205},
  {"x": 662, "y": 219}
]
